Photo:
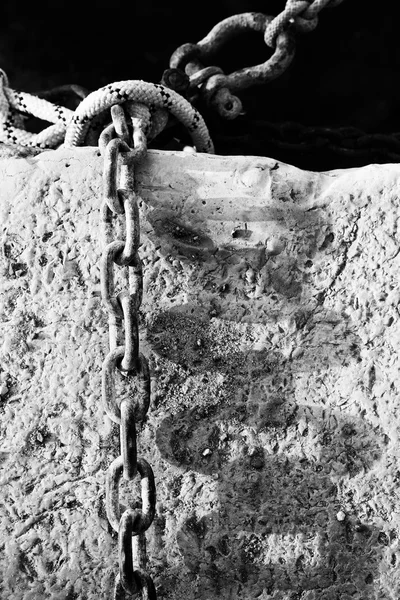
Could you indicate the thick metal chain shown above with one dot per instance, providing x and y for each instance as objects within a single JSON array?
[
  {"x": 120, "y": 199},
  {"x": 212, "y": 84},
  {"x": 301, "y": 14}
]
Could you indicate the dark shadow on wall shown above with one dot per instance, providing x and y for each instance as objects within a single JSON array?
[
  {"x": 266, "y": 500},
  {"x": 265, "y": 496}
]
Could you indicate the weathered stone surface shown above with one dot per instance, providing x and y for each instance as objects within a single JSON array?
[{"x": 270, "y": 318}]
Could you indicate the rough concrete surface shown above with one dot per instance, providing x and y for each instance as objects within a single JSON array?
[{"x": 270, "y": 319}]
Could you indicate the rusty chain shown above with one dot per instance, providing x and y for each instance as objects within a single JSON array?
[
  {"x": 302, "y": 15},
  {"x": 124, "y": 356},
  {"x": 212, "y": 84}
]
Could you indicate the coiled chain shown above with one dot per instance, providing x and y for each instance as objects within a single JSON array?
[{"x": 124, "y": 356}]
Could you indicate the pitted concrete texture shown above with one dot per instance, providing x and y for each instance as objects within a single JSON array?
[{"x": 270, "y": 320}]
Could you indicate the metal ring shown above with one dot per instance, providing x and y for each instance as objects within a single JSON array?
[
  {"x": 141, "y": 400},
  {"x": 217, "y": 94},
  {"x": 143, "y": 517}
]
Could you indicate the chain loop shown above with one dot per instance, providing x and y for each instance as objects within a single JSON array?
[
  {"x": 142, "y": 396},
  {"x": 113, "y": 254},
  {"x": 280, "y": 23},
  {"x": 130, "y": 548},
  {"x": 132, "y": 553},
  {"x": 142, "y": 517},
  {"x": 302, "y": 14}
]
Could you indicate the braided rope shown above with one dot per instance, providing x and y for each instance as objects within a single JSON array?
[
  {"x": 83, "y": 125},
  {"x": 303, "y": 13},
  {"x": 153, "y": 124},
  {"x": 12, "y": 103},
  {"x": 154, "y": 95}
]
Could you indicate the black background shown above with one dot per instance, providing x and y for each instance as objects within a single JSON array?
[{"x": 345, "y": 72}]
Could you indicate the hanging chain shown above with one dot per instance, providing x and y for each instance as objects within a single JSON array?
[{"x": 124, "y": 355}]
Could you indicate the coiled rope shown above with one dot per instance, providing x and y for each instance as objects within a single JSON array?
[
  {"x": 72, "y": 128},
  {"x": 153, "y": 95}
]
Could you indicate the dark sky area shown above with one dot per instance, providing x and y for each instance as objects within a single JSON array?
[{"x": 345, "y": 72}]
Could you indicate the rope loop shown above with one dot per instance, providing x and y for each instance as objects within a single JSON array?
[
  {"x": 155, "y": 95},
  {"x": 14, "y": 105},
  {"x": 84, "y": 126}
]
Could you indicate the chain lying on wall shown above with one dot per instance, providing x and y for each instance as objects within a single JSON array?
[{"x": 130, "y": 524}]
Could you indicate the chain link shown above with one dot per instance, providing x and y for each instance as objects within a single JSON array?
[
  {"x": 120, "y": 199},
  {"x": 211, "y": 83},
  {"x": 302, "y": 14}
]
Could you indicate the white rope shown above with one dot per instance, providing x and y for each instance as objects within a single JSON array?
[
  {"x": 13, "y": 103},
  {"x": 154, "y": 95},
  {"x": 75, "y": 126}
]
